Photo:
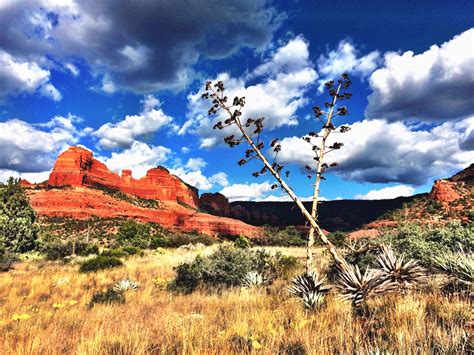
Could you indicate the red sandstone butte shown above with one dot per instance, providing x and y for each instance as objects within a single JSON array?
[
  {"x": 81, "y": 173},
  {"x": 443, "y": 191},
  {"x": 77, "y": 167},
  {"x": 215, "y": 203}
]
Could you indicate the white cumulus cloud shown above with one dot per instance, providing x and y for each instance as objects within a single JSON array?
[
  {"x": 345, "y": 59},
  {"x": 20, "y": 76},
  {"x": 282, "y": 81},
  {"x": 435, "y": 85},
  {"x": 192, "y": 174},
  {"x": 387, "y": 193},
  {"x": 379, "y": 151},
  {"x": 27, "y": 148},
  {"x": 140, "y": 157},
  {"x": 123, "y": 133}
]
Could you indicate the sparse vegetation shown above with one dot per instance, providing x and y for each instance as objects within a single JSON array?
[
  {"x": 100, "y": 262},
  {"x": 45, "y": 309}
]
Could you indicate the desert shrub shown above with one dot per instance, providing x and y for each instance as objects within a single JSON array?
[
  {"x": 17, "y": 219},
  {"x": 242, "y": 242},
  {"x": 338, "y": 238},
  {"x": 177, "y": 240},
  {"x": 158, "y": 241},
  {"x": 100, "y": 262},
  {"x": 54, "y": 248},
  {"x": 6, "y": 258},
  {"x": 129, "y": 250},
  {"x": 424, "y": 245},
  {"x": 133, "y": 233},
  {"x": 121, "y": 252},
  {"x": 227, "y": 267},
  {"x": 286, "y": 266},
  {"x": 287, "y": 237},
  {"x": 107, "y": 297}
]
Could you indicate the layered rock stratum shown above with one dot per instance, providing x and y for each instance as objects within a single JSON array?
[{"x": 81, "y": 187}]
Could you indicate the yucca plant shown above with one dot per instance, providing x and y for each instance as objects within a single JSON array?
[
  {"x": 254, "y": 279},
  {"x": 125, "y": 285},
  {"x": 401, "y": 273},
  {"x": 309, "y": 288},
  {"x": 460, "y": 266},
  {"x": 356, "y": 286}
]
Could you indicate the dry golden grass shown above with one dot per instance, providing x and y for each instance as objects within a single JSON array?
[{"x": 235, "y": 321}]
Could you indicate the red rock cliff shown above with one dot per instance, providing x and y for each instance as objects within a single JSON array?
[{"x": 77, "y": 167}]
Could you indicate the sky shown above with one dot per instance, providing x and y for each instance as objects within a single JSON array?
[{"x": 124, "y": 79}]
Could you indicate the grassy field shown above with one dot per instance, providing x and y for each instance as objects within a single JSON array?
[{"x": 51, "y": 299}]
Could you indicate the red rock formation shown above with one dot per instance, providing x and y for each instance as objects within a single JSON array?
[
  {"x": 25, "y": 183},
  {"x": 84, "y": 202},
  {"x": 215, "y": 203},
  {"x": 77, "y": 167},
  {"x": 443, "y": 191}
]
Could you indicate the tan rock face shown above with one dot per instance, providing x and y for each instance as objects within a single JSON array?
[
  {"x": 443, "y": 191},
  {"x": 77, "y": 167}
]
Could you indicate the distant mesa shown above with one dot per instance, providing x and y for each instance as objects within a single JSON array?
[{"x": 77, "y": 167}]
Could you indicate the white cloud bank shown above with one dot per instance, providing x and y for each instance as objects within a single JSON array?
[
  {"x": 345, "y": 59},
  {"x": 29, "y": 151},
  {"x": 432, "y": 86},
  {"x": 382, "y": 152},
  {"x": 192, "y": 174},
  {"x": 140, "y": 157},
  {"x": 124, "y": 133},
  {"x": 283, "y": 79},
  {"x": 387, "y": 193},
  {"x": 23, "y": 76}
]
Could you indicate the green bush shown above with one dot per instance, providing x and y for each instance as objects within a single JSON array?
[
  {"x": 107, "y": 297},
  {"x": 338, "y": 238},
  {"x": 287, "y": 237},
  {"x": 242, "y": 242},
  {"x": 55, "y": 249},
  {"x": 177, "y": 240},
  {"x": 114, "y": 253},
  {"x": 100, "y": 262},
  {"x": 133, "y": 233},
  {"x": 422, "y": 244},
  {"x": 6, "y": 258},
  {"x": 227, "y": 267},
  {"x": 158, "y": 241},
  {"x": 17, "y": 219}
]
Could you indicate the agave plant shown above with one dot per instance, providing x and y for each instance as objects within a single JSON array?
[
  {"x": 356, "y": 286},
  {"x": 125, "y": 285},
  {"x": 401, "y": 273},
  {"x": 460, "y": 266},
  {"x": 254, "y": 279},
  {"x": 309, "y": 288}
]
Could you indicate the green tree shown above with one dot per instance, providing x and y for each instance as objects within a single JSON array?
[
  {"x": 17, "y": 219},
  {"x": 132, "y": 233}
]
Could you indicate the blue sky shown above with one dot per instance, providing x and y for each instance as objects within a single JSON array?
[{"x": 124, "y": 79}]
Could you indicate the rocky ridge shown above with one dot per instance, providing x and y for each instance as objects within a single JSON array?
[{"x": 81, "y": 187}]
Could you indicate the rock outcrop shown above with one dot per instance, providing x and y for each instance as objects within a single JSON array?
[
  {"x": 84, "y": 202},
  {"x": 443, "y": 191},
  {"x": 82, "y": 187},
  {"x": 215, "y": 203},
  {"x": 77, "y": 167}
]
